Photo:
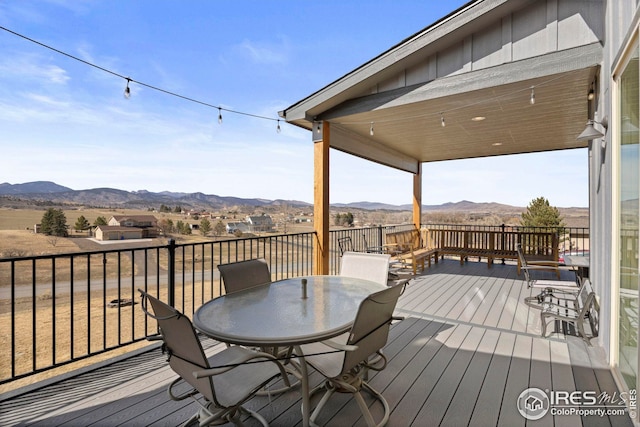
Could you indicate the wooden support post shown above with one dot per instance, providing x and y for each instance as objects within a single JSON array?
[
  {"x": 321, "y": 196},
  {"x": 417, "y": 197}
]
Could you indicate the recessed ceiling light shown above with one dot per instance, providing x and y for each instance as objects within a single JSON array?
[
  {"x": 478, "y": 118},
  {"x": 497, "y": 144}
]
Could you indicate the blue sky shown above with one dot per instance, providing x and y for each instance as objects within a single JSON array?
[{"x": 67, "y": 122}]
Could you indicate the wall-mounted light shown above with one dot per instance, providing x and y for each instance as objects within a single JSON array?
[{"x": 590, "y": 132}]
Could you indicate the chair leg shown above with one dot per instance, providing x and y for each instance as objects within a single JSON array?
[
  {"x": 362, "y": 404},
  {"x": 544, "y": 325},
  {"x": 365, "y": 409},
  {"x": 323, "y": 401}
]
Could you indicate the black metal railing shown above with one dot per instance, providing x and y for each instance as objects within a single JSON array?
[{"x": 57, "y": 309}]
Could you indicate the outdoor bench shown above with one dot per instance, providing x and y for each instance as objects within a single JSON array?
[
  {"x": 408, "y": 247},
  {"x": 540, "y": 246}
]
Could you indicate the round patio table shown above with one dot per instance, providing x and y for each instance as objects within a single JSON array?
[{"x": 277, "y": 314}]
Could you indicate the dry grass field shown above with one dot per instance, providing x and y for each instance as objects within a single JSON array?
[
  {"x": 71, "y": 318},
  {"x": 86, "y": 308}
]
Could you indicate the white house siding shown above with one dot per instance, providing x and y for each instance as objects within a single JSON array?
[
  {"x": 540, "y": 28},
  {"x": 621, "y": 20},
  {"x": 118, "y": 233}
]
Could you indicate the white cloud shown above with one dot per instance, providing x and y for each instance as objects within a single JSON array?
[
  {"x": 33, "y": 67},
  {"x": 265, "y": 53}
]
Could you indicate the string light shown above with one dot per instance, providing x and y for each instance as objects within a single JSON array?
[
  {"x": 127, "y": 90},
  {"x": 532, "y": 100},
  {"x": 371, "y": 129},
  {"x": 483, "y": 101},
  {"x": 278, "y": 128},
  {"x": 591, "y": 93}
]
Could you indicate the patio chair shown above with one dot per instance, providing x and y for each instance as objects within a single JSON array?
[
  {"x": 553, "y": 295},
  {"x": 372, "y": 249},
  {"x": 244, "y": 274},
  {"x": 583, "y": 308},
  {"x": 221, "y": 383},
  {"x": 345, "y": 244},
  {"x": 344, "y": 360},
  {"x": 546, "y": 264},
  {"x": 526, "y": 268},
  {"x": 374, "y": 267}
]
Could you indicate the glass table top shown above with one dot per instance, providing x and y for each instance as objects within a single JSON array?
[{"x": 276, "y": 314}]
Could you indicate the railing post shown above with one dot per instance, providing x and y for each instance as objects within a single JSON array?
[
  {"x": 380, "y": 241},
  {"x": 502, "y": 240},
  {"x": 172, "y": 272}
]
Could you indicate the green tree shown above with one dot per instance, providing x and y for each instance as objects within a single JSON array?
[
  {"x": 178, "y": 209},
  {"x": 219, "y": 228},
  {"x": 183, "y": 227},
  {"x": 344, "y": 219},
  {"x": 100, "y": 221},
  {"x": 81, "y": 223},
  {"x": 205, "y": 226},
  {"x": 54, "y": 223},
  {"x": 164, "y": 208},
  {"x": 541, "y": 214}
]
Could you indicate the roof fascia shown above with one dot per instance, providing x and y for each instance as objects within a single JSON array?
[
  {"x": 528, "y": 69},
  {"x": 349, "y": 142},
  {"x": 393, "y": 58}
]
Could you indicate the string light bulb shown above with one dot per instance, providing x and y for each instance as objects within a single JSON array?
[
  {"x": 127, "y": 90},
  {"x": 371, "y": 129},
  {"x": 591, "y": 93},
  {"x": 532, "y": 100},
  {"x": 278, "y": 128},
  {"x": 219, "y": 115},
  {"x": 442, "y": 123}
]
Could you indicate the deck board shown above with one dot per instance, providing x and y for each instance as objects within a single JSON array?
[
  {"x": 466, "y": 349},
  {"x": 460, "y": 408}
]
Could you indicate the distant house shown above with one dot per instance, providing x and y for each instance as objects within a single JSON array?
[
  {"x": 148, "y": 224},
  {"x": 116, "y": 232},
  {"x": 232, "y": 227},
  {"x": 262, "y": 223}
]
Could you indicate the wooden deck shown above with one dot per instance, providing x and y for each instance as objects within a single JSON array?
[{"x": 466, "y": 350}]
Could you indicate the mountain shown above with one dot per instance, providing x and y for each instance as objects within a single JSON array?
[
  {"x": 461, "y": 206},
  {"x": 36, "y": 187},
  {"x": 51, "y": 193}
]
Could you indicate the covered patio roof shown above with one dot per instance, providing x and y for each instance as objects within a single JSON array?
[
  {"x": 483, "y": 60},
  {"x": 494, "y": 77}
]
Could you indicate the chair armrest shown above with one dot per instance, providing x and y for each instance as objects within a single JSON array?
[
  {"x": 392, "y": 248},
  {"x": 240, "y": 361},
  {"x": 339, "y": 346},
  {"x": 543, "y": 262},
  {"x": 535, "y": 267}
]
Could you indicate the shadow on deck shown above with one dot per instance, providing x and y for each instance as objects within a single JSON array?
[{"x": 466, "y": 350}]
